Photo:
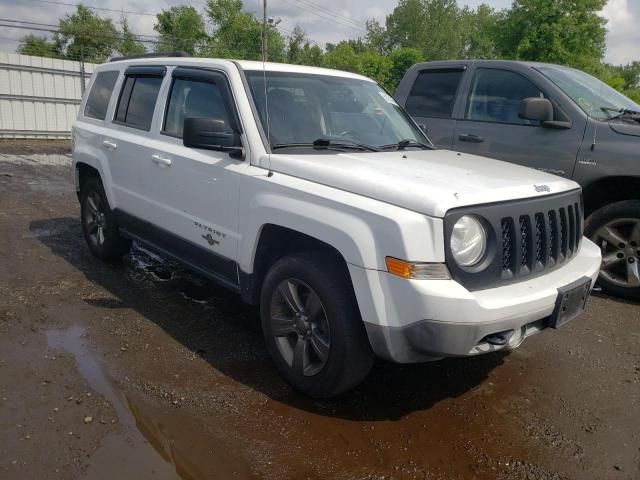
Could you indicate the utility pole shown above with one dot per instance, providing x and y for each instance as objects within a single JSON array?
[{"x": 264, "y": 30}]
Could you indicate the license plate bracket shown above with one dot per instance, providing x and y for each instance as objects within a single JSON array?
[{"x": 571, "y": 302}]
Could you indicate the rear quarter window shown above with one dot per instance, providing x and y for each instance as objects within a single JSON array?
[
  {"x": 434, "y": 93},
  {"x": 100, "y": 94}
]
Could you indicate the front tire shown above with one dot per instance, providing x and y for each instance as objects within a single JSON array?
[
  {"x": 312, "y": 325},
  {"x": 98, "y": 223},
  {"x": 615, "y": 228}
]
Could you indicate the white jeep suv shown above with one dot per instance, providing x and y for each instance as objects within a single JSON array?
[{"x": 313, "y": 194}]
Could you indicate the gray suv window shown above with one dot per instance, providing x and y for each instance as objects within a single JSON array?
[
  {"x": 190, "y": 98},
  {"x": 495, "y": 96},
  {"x": 434, "y": 93},
  {"x": 100, "y": 94}
]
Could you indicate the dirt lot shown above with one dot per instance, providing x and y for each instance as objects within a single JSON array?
[{"x": 140, "y": 370}]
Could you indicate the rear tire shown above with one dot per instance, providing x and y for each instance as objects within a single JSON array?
[
  {"x": 312, "y": 325},
  {"x": 615, "y": 228},
  {"x": 98, "y": 223}
]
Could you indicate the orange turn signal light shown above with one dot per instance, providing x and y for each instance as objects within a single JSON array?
[{"x": 417, "y": 271}]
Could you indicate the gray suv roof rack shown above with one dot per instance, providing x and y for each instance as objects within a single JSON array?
[{"x": 179, "y": 53}]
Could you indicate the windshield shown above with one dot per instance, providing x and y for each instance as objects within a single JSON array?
[
  {"x": 304, "y": 108},
  {"x": 596, "y": 98}
]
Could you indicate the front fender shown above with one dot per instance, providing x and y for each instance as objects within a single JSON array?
[{"x": 363, "y": 230}]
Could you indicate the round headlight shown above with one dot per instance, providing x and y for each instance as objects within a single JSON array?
[{"x": 468, "y": 241}]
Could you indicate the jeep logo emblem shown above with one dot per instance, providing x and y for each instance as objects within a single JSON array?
[
  {"x": 210, "y": 240},
  {"x": 542, "y": 188}
]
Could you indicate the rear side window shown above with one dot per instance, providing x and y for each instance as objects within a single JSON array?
[
  {"x": 138, "y": 100},
  {"x": 192, "y": 98},
  {"x": 496, "y": 96},
  {"x": 434, "y": 93},
  {"x": 100, "y": 94}
]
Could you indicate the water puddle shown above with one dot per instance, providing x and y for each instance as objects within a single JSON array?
[
  {"x": 191, "y": 287},
  {"x": 154, "y": 441}
]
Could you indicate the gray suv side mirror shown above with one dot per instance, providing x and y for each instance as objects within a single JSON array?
[
  {"x": 211, "y": 134},
  {"x": 536, "y": 108},
  {"x": 541, "y": 109}
]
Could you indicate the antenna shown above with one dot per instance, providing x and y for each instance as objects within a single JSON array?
[{"x": 264, "y": 81}]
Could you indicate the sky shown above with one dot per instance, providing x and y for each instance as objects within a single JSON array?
[{"x": 323, "y": 20}]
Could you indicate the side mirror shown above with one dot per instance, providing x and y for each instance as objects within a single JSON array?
[
  {"x": 536, "y": 108},
  {"x": 541, "y": 109},
  {"x": 211, "y": 134}
]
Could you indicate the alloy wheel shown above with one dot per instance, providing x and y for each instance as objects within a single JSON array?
[
  {"x": 300, "y": 326},
  {"x": 619, "y": 241},
  {"x": 95, "y": 219}
]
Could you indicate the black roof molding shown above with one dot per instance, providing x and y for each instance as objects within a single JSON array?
[{"x": 179, "y": 53}]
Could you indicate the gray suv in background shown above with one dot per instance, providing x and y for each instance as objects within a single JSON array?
[{"x": 552, "y": 118}]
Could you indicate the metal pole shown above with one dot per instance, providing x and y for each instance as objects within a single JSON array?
[
  {"x": 82, "y": 69},
  {"x": 264, "y": 30}
]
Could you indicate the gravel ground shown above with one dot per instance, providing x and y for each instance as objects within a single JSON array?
[{"x": 140, "y": 370}]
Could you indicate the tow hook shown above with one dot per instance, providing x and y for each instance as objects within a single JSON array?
[{"x": 499, "y": 339}]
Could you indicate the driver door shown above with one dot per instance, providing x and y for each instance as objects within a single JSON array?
[
  {"x": 197, "y": 189},
  {"x": 491, "y": 126}
]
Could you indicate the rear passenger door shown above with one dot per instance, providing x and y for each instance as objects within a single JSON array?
[
  {"x": 125, "y": 142},
  {"x": 490, "y": 126},
  {"x": 432, "y": 100}
]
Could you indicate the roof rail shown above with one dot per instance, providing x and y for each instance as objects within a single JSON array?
[{"x": 179, "y": 53}]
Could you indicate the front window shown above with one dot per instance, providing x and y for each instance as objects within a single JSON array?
[
  {"x": 496, "y": 96},
  {"x": 596, "y": 98},
  {"x": 308, "y": 108}
]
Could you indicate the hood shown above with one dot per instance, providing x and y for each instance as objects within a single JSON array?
[
  {"x": 625, "y": 128},
  {"x": 426, "y": 181}
]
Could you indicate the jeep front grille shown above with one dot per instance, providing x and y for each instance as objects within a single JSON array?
[
  {"x": 537, "y": 246},
  {"x": 526, "y": 238}
]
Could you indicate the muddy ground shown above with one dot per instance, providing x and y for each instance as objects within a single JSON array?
[{"x": 141, "y": 370}]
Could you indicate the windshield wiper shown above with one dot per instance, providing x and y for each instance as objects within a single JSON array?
[
  {"x": 622, "y": 112},
  {"x": 327, "y": 142},
  {"x": 402, "y": 144}
]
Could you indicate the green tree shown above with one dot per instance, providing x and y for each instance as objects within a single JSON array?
[
  {"x": 478, "y": 30},
  {"x": 38, "y": 47},
  {"x": 401, "y": 60},
  {"x": 567, "y": 32},
  {"x": 85, "y": 34},
  {"x": 341, "y": 57},
  {"x": 238, "y": 34},
  {"x": 378, "y": 67},
  {"x": 180, "y": 28},
  {"x": 128, "y": 43},
  {"x": 430, "y": 25},
  {"x": 377, "y": 38},
  {"x": 311, "y": 55}
]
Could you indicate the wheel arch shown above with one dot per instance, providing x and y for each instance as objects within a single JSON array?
[
  {"x": 276, "y": 241},
  {"x": 88, "y": 160},
  {"x": 607, "y": 190}
]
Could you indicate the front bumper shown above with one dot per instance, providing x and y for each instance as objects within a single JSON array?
[{"x": 419, "y": 320}]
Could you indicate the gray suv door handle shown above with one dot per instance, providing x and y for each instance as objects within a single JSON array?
[
  {"x": 109, "y": 145},
  {"x": 160, "y": 160},
  {"x": 471, "y": 138}
]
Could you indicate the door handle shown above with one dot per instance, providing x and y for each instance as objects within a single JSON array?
[
  {"x": 109, "y": 145},
  {"x": 160, "y": 160},
  {"x": 470, "y": 137}
]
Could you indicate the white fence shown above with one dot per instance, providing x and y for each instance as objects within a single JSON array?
[{"x": 39, "y": 97}]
